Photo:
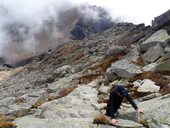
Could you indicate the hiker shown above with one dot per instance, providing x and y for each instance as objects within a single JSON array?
[{"x": 115, "y": 99}]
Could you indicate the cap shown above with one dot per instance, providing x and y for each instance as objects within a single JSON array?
[{"x": 121, "y": 90}]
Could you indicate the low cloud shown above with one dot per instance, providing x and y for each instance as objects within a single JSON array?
[{"x": 27, "y": 26}]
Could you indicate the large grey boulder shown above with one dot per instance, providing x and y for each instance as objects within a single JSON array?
[
  {"x": 110, "y": 76},
  {"x": 33, "y": 122},
  {"x": 115, "y": 50},
  {"x": 148, "y": 86},
  {"x": 35, "y": 98},
  {"x": 149, "y": 97},
  {"x": 72, "y": 111},
  {"x": 60, "y": 84},
  {"x": 160, "y": 36},
  {"x": 150, "y": 67},
  {"x": 124, "y": 68},
  {"x": 22, "y": 105},
  {"x": 156, "y": 112},
  {"x": 163, "y": 67},
  {"x": 133, "y": 55},
  {"x": 153, "y": 53}
]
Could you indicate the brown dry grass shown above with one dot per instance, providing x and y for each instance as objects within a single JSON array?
[
  {"x": 6, "y": 118},
  {"x": 139, "y": 61},
  {"x": 87, "y": 79},
  {"x": 157, "y": 78},
  {"x": 64, "y": 92},
  {"x": 6, "y": 74},
  {"x": 38, "y": 103},
  {"x": 107, "y": 61},
  {"x": 5, "y": 121},
  {"x": 99, "y": 68},
  {"x": 7, "y": 125},
  {"x": 101, "y": 119}
]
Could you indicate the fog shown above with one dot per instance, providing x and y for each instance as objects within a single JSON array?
[
  {"x": 27, "y": 26},
  {"x": 136, "y": 11}
]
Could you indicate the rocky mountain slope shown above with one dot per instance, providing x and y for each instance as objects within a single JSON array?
[{"x": 69, "y": 86}]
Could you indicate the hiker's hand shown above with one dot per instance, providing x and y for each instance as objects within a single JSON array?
[
  {"x": 114, "y": 121},
  {"x": 140, "y": 111}
]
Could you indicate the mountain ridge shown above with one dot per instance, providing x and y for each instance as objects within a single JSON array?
[{"x": 68, "y": 85}]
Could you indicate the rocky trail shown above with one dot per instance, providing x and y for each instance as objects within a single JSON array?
[{"x": 70, "y": 85}]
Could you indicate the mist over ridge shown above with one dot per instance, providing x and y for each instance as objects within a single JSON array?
[{"x": 31, "y": 27}]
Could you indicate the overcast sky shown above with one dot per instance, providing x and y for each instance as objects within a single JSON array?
[{"x": 136, "y": 11}]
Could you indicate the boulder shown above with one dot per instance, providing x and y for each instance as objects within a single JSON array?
[
  {"x": 73, "y": 110},
  {"x": 33, "y": 122},
  {"x": 150, "y": 67},
  {"x": 110, "y": 76},
  {"x": 156, "y": 113},
  {"x": 125, "y": 123},
  {"x": 132, "y": 55},
  {"x": 103, "y": 89},
  {"x": 60, "y": 84},
  {"x": 148, "y": 97},
  {"x": 35, "y": 98},
  {"x": 153, "y": 53},
  {"x": 21, "y": 106},
  {"x": 148, "y": 86},
  {"x": 78, "y": 68},
  {"x": 160, "y": 36},
  {"x": 62, "y": 71},
  {"x": 114, "y": 50},
  {"x": 163, "y": 67},
  {"x": 137, "y": 83},
  {"x": 18, "y": 110},
  {"x": 124, "y": 68},
  {"x": 161, "y": 21}
]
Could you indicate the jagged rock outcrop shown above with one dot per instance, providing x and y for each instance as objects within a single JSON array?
[
  {"x": 160, "y": 37},
  {"x": 124, "y": 68},
  {"x": 133, "y": 55},
  {"x": 163, "y": 67},
  {"x": 153, "y": 54},
  {"x": 89, "y": 24},
  {"x": 161, "y": 21}
]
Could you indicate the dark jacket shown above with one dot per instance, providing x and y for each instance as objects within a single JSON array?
[{"x": 115, "y": 100}]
